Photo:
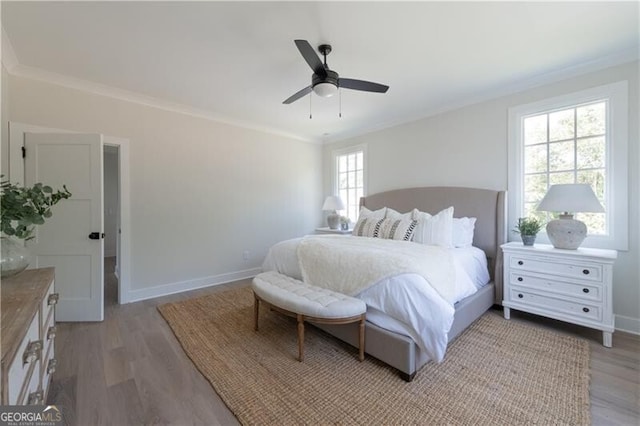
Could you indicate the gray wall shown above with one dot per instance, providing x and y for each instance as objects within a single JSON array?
[
  {"x": 4, "y": 119},
  {"x": 468, "y": 147},
  {"x": 202, "y": 192}
]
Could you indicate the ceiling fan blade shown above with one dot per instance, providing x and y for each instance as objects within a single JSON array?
[
  {"x": 298, "y": 95},
  {"x": 365, "y": 86},
  {"x": 311, "y": 57}
]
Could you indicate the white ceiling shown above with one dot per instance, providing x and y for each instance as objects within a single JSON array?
[{"x": 236, "y": 61}]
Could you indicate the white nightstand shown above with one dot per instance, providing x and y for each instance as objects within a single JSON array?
[
  {"x": 328, "y": 230},
  {"x": 569, "y": 285}
]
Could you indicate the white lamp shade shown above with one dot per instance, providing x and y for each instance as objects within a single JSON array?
[
  {"x": 325, "y": 90},
  {"x": 570, "y": 198},
  {"x": 333, "y": 202}
]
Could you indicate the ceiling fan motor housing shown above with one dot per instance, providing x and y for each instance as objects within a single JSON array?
[{"x": 331, "y": 77}]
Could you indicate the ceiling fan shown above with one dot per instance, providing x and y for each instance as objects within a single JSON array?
[{"x": 325, "y": 82}]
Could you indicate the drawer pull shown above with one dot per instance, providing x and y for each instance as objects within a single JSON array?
[
  {"x": 520, "y": 296},
  {"x": 32, "y": 352},
  {"x": 520, "y": 279},
  {"x": 585, "y": 290},
  {"x": 51, "y": 367},
  {"x": 53, "y": 299},
  {"x": 585, "y": 271},
  {"x": 520, "y": 262},
  {"x": 36, "y": 398},
  {"x": 51, "y": 334},
  {"x": 585, "y": 310}
]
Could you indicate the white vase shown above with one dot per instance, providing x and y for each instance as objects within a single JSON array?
[{"x": 14, "y": 258}]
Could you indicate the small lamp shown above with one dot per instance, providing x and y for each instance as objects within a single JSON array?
[
  {"x": 566, "y": 232},
  {"x": 333, "y": 203}
]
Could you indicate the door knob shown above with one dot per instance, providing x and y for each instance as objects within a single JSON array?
[{"x": 96, "y": 235}]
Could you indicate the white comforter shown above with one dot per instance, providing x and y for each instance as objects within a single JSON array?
[{"x": 406, "y": 302}]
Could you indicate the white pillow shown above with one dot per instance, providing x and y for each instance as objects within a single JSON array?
[
  {"x": 375, "y": 214},
  {"x": 367, "y": 221},
  {"x": 434, "y": 230},
  {"x": 463, "y": 228},
  {"x": 392, "y": 214}
]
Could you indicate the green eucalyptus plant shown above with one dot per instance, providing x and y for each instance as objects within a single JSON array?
[
  {"x": 528, "y": 226},
  {"x": 22, "y": 208}
]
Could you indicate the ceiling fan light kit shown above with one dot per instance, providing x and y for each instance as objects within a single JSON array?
[{"x": 324, "y": 81}]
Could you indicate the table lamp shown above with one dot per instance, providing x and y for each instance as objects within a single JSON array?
[
  {"x": 333, "y": 203},
  {"x": 566, "y": 232}
]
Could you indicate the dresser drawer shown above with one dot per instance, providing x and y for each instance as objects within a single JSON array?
[
  {"x": 587, "y": 311},
  {"x": 28, "y": 355},
  {"x": 586, "y": 291},
  {"x": 48, "y": 367},
  {"x": 31, "y": 394},
  {"x": 28, "y": 315},
  {"x": 582, "y": 271},
  {"x": 48, "y": 305}
]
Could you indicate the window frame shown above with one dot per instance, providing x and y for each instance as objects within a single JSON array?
[
  {"x": 334, "y": 161},
  {"x": 616, "y": 184}
]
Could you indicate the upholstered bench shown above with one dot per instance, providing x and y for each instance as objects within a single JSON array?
[{"x": 307, "y": 303}]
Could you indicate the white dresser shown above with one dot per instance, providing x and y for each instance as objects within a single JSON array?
[
  {"x": 28, "y": 335},
  {"x": 568, "y": 285}
]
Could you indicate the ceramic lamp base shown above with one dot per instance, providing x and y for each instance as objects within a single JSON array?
[
  {"x": 333, "y": 220},
  {"x": 566, "y": 233}
]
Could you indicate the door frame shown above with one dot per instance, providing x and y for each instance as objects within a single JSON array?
[{"x": 16, "y": 175}]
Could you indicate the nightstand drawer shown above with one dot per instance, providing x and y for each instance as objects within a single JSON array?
[
  {"x": 582, "y": 271},
  {"x": 587, "y": 291},
  {"x": 551, "y": 304}
]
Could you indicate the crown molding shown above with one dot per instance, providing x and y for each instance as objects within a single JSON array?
[
  {"x": 618, "y": 58},
  {"x": 40, "y": 74},
  {"x": 9, "y": 58}
]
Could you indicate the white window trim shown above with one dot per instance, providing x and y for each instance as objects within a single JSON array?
[
  {"x": 334, "y": 166},
  {"x": 616, "y": 157}
]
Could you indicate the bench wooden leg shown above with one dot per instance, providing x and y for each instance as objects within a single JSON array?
[
  {"x": 300, "y": 337},
  {"x": 361, "y": 335},
  {"x": 256, "y": 311}
]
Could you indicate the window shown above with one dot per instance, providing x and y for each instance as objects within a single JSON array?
[
  {"x": 350, "y": 178},
  {"x": 577, "y": 138},
  {"x": 566, "y": 146}
]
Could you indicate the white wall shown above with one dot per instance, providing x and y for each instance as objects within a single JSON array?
[
  {"x": 110, "y": 198},
  {"x": 468, "y": 147},
  {"x": 202, "y": 192}
]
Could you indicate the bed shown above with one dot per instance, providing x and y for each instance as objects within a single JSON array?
[{"x": 389, "y": 344}]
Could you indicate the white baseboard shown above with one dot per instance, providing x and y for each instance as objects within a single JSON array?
[
  {"x": 179, "y": 287},
  {"x": 628, "y": 324}
]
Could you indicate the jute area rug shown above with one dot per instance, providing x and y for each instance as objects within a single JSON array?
[{"x": 497, "y": 372}]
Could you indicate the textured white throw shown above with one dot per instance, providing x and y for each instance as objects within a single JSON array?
[{"x": 350, "y": 265}]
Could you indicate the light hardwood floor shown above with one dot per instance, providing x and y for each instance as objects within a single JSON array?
[{"x": 130, "y": 369}]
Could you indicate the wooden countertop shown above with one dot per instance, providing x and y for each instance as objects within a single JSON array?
[{"x": 21, "y": 295}]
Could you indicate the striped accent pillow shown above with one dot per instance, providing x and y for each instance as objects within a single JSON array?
[
  {"x": 397, "y": 229},
  {"x": 391, "y": 229},
  {"x": 367, "y": 227}
]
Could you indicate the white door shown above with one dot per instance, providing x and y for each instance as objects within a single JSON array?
[{"x": 64, "y": 242}]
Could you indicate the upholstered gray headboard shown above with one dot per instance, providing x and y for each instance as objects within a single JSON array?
[{"x": 488, "y": 206}]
